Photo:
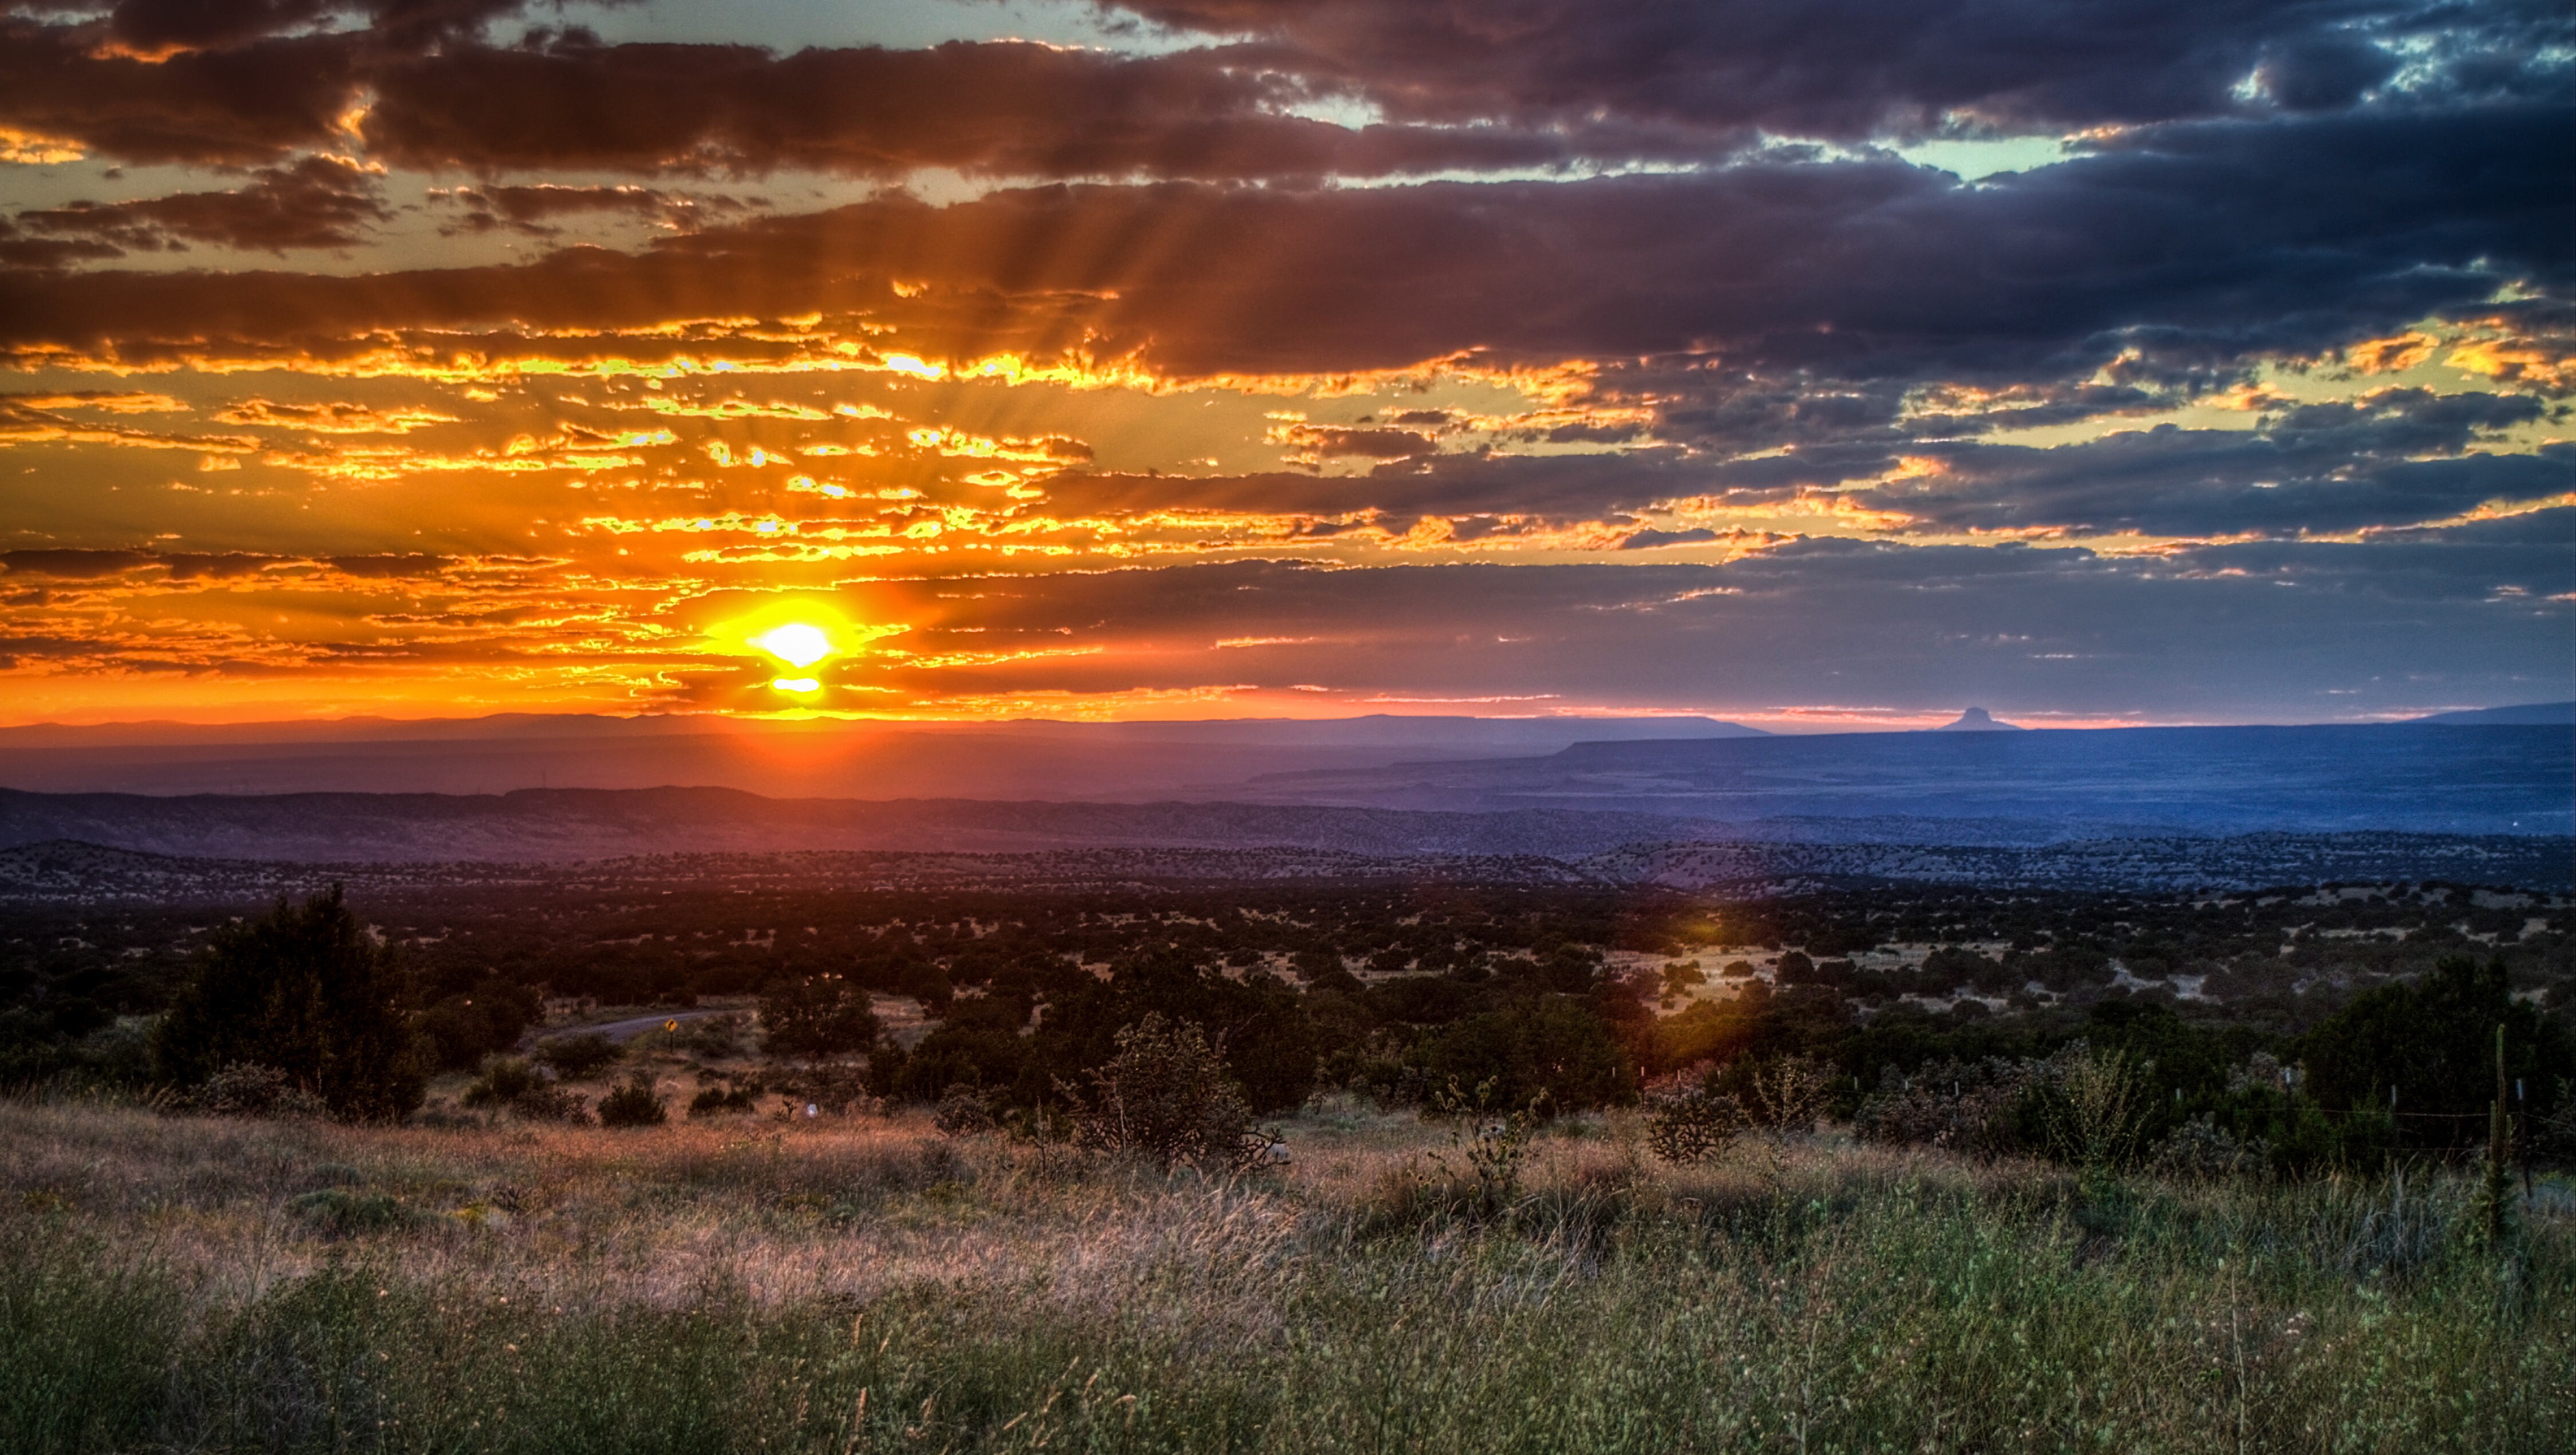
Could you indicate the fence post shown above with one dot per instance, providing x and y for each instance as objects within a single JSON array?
[{"x": 2499, "y": 1141}]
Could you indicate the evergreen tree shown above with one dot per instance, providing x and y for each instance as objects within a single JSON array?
[
  {"x": 2434, "y": 1042},
  {"x": 817, "y": 1017},
  {"x": 302, "y": 989}
]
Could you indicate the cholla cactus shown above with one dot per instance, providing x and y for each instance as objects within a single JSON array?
[{"x": 1687, "y": 1119}]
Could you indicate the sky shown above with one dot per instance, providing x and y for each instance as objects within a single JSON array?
[{"x": 1812, "y": 363}]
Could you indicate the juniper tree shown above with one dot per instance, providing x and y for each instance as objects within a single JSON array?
[{"x": 303, "y": 989}]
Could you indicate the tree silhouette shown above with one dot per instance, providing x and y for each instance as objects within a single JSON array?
[
  {"x": 2434, "y": 1042},
  {"x": 305, "y": 990},
  {"x": 816, "y": 1017}
]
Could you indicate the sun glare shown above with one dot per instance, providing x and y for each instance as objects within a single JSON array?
[
  {"x": 798, "y": 644},
  {"x": 796, "y": 684}
]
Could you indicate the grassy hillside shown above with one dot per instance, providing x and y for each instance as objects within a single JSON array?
[{"x": 867, "y": 1283}]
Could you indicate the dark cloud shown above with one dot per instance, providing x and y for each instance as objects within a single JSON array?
[
  {"x": 1647, "y": 540},
  {"x": 213, "y": 565},
  {"x": 1858, "y": 69},
  {"x": 2397, "y": 457},
  {"x": 36, "y": 254},
  {"x": 38, "y": 419},
  {"x": 1314, "y": 442},
  {"x": 236, "y": 84},
  {"x": 1535, "y": 83},
  {"x": 1003, "y": 108},
  {"x": 156, "y": 27},
  {"x": 2171, "y": 483},
  {"x": 538, "y": 211},
  {"x": 214, "y": 81},
  {"x": 102, "y": 565},
  {"x": 1557, "y": 488},
  {"x": 318, "y": 202},
  {"x": 250, "y": 103},
  {"x": 2316, "y": 468},
  {"x": 391, "y": 564},
  {"x": 2189, "y": 251},
  {"x": 73, "y": 565}
]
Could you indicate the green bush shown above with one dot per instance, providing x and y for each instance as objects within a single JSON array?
[
  {"x": 963, "y": 1112},
  {"x": 815, "y": 1017},
  {"x": 463, "y": 1029},
  {"x": 510, "y": 1082},
  {"x": 581, "y": 1055},
  {"x": 1164, "y": 1097},
  {"x": 635, "y": 1104},
  {"x": 2433, "y": 1043},
  {"x": 1688, "y": 1119},
  {"x": 342, "y": 1211},
  {"x": 305, "y": 990},
  {"x": 718, "y": 1100},
  {"x": 1542, "y": 1046},
  {"x": 248, "y": 1090}
]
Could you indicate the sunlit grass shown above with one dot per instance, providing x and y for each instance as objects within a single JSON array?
[{"x": 169, "y": 1283}]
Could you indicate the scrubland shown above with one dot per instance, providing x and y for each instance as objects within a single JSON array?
[{"x": 858, "y": 1283}]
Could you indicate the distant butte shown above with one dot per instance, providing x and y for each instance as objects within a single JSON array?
[{"x": 1975, "y": 720}]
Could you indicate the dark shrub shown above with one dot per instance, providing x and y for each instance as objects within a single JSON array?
[
  {"x": 1270, "y": 1045},
  {"x": 340, "y": 1211},
  {"x": 1323, "y": 971},
  {"x": 835, "y": 1089},
  {"x": 635, "y": 1104},
  {"x": 463, "y": 1029},
  {"x": 248, "y": 1090},
  {"x": 1688, "y": 1119},
  {"x": 718, "y": 1100},
  {"x": 1980, "y": 1108},
  {"x": 963, "y": 1112},
  {"x": 505, "y": 1079},
  {"x": 1165, "y": 1097},
  {"x": 304, "y": 990},
  {"x": 707, "y": 1037},
  {"x": 2433, "y": 1042},
  {"x": 1545, "y": 1046},
  {"x": 510, "y": 1082},
  {"x": 816, "y": 1017},
  {"x": 578, "y": 1056},
  {"x": 961, "y": 1053}
]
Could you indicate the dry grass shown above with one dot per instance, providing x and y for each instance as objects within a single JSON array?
[{"x": 863, "y": 1283}]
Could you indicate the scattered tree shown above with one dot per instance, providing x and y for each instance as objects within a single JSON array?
[
  {"x": 306, "y": 990},
  {"x": 816, "y": 1017},
  {"x": 1164, "y": 1097}
]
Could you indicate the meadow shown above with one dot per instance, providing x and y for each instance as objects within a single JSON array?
[{"x": 866, "y": 1282}]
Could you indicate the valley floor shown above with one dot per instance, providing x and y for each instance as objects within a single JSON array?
[{"x": 864, "y": 1283}]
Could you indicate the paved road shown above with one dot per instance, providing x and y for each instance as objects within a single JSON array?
[{"x": 623, "y": 1031}]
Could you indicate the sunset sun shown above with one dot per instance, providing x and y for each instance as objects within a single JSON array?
[{"x": 798, "y": 644}]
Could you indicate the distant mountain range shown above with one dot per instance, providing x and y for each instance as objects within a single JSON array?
[
  {"x": 1137, "y": 762},
  {"x": 2535, "y": 714},
  {"x": 824, "y": 758},
  {"x": 1983, "y": 788},
  {"x": 560, "y": 825},
  {"x": 2067, "y": 784}
]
